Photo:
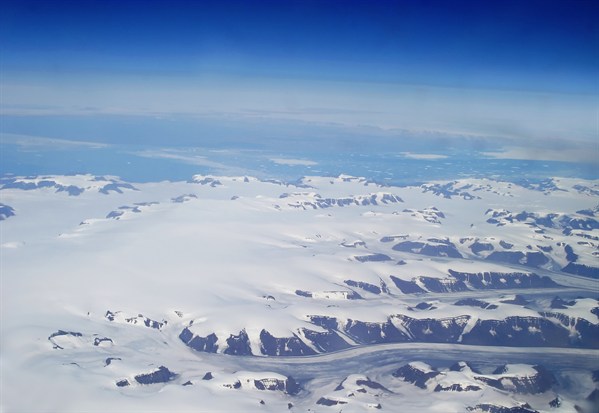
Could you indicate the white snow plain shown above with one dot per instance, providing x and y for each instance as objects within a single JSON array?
[{"x": 225, "y": 254}]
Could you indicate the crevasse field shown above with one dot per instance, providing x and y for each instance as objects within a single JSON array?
[{"x": 326, "y": 294}]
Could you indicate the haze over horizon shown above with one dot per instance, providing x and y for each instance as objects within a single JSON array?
[{"x": 521, "y": 73}]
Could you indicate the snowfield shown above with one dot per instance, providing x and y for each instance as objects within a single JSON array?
[{"x": 234, "y": 294}]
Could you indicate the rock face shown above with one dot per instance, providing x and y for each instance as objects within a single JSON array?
[
  {"x": 472, "y": 302},
  {"x": 373, "y": 258},
  {"x": 56, "y": 337},
  {"x": 565, "y": 223},
  {"x": 325, "y": 401},
  {"x": 284, "y": 346},
  {"x": 450, "y": 189},
  {"x": 101, "y": 184},
  {"x": 162, "y": 375},
  {"x": 461, "y": 281},
  {"x": 520, "y": 379},
  {"x": 538, "y": 382},
  {"x": 371, "y": 288},
  {"x": 330, "y": 295},
  {"x": 315, "y": 201},
  {"x": 548, "y": 329},
  {"x": 440, "y": 248},
  {"x": 289, "y": 385},
  {"x": 581, "y": 269},
  {"x": 518, "y": 331},
  {"x": 457, "y": 387},
  {"x": 140, "y": 319},
  {"x": 530, "y": 259},
  {"x": 238, "y": 345},
  {"x": 416, "y": 373},
  {"x": 493, "y": 408},
  {"x": 207, "y": 344}
]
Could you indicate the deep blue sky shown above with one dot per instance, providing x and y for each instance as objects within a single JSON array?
[
  {"x": 521, "y": 70},
  {"x": 537, "y": 45}
]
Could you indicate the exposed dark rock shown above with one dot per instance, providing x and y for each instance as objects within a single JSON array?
[
  {"x": 98, "y": 340},
  {"x": 558, "y": 303},
  {"x": 581, "y": 269},
  {"x": 289, "y": 386},
  {"x": 302, "y": 293},
  {"x": 62, "y": 333},
  {"x": 329, "y": 402},
  {"x": 208, "y": 376},
  {"x": 393, "y": 238},
  {"x": 457, "y": 387},
  {"x": 472, "y": 302},
  {"x": 461, "y": 366},
  {"x": 582, "y": 332},
  {"x": 207, "y": 181},
  {"x": 557, "y": 402},
  {"x": 498, "y": 281},
  {"x": 570, "y": 255},
  {"x": 371, "y": 288},
  {"x": 492, "y": 408},
  {"x": 111, "y": 316},
  {"x": 448, "y": 190},
  {"x": 424, "y": 306},
  {"x": 423, "y": 248},
  {"x": 207, "y": 344},
  {"x": 406, "y": 287},
  {"x": 372, "y": 384},
  {"x": 283, "y": 346},
  {"x": 372, "y": 258},
  {"x": 123, "y": 383},
  {"x": 506, "y": 245},
  {"x": 374, "y": 333},
  {"x": 540, "y": 382},
  {"x": 116, "y": 187},
  {"x": 317, "y": 202},
  {"x": 238, "y": 345},
  {"x": 442, "y": 285},
  {"x": 411, "y": 374},
  {"x": 517, "y": 300},
  {"x": 518, "y": 331},
  {"x": 477, "y": 247},
  {"x": 530, "y": 259},
  {"x": 183, "y": 198},
  {"x": 162, "y": 375},
  {"x": 109, "y": 360},
  {"x": 187, "y": 383},
  {"x": 326, "y": 341},
  {"x": 593, "y": 397},
  {"x": 327, "y": 322},
  {"x": 430, "y": 330},
  {"x": 236, "y": 385}
]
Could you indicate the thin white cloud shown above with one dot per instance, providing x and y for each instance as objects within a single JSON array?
[
  {"x": 29, "y": 141},
  {"x": 540, "y": 154},
  {"x": 293, "y": 162},
  {"x": 175, "y": 156},
  {"x": 187, "y": 156},
  {"x": 423, "y": 156}
]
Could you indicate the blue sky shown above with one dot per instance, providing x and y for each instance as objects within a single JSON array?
[{"x": 525, "y": 71}]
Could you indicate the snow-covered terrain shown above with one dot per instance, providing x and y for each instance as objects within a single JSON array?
[{"x": 325, "y": 294}]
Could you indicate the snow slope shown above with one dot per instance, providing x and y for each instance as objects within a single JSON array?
[{"x": 105, "y": 281}]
